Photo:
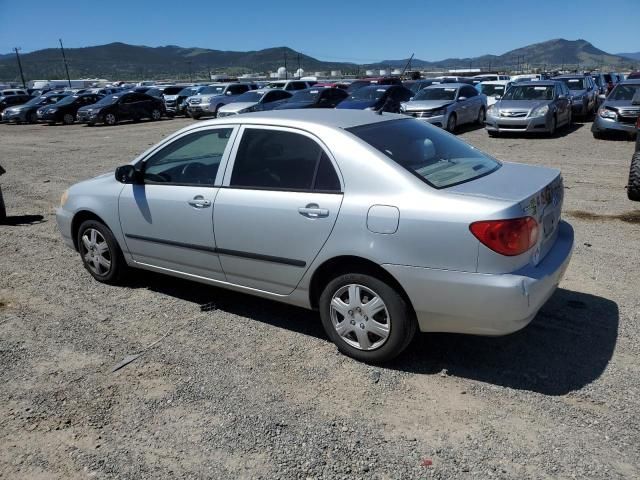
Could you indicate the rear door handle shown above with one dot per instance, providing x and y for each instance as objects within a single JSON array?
[
  {"x": 199, "y": 202},
  {"x": 313, "y": 211}
]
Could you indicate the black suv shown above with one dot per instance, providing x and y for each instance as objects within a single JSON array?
[{"x": 122, "y": 106}]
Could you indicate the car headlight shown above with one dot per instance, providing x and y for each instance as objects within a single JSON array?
[
  {"x": 439, "y": 112},
  {"x": 606, "y": 113},
  {"x": 540, "y": 111},
  {"x": 64, "y": 198},
  {"x": 493, "y": 110},
  {"x": 52, "y": 110}
]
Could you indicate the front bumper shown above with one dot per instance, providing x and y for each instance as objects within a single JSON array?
[
  {"x": 85, "y": 117},
  {"x": 519, "y": 124},
  {"x": 601, "y": 125},
  {"x": 47, "y": 117},
  {"x": 63, "y": 219},
  {"x": 14, "y": 117},
  {"x": 484, "y": 304}
]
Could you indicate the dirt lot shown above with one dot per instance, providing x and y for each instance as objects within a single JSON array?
[{"x": 253, "y": 389}]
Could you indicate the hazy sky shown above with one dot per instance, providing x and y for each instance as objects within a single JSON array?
[{"x": 354, "y": 31}]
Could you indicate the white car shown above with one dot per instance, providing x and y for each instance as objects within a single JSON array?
[
  {"x": 494, "y": 90},
  {"x": 534, "y": 77}
]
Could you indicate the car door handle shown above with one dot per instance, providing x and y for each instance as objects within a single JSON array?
[
  {"x": 199, "y": 202},
  {"x": 313, "y": 211}
]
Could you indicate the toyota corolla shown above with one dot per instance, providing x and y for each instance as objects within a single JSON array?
[{"x": 383, "y": 223}]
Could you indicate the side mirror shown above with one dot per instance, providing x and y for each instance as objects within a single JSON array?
[
  {"x": 127, "y": 174},
  {"x": 498, "y": 97},
  {"x": 462, "y": 99},
  {"x": 561, "y": 97}
]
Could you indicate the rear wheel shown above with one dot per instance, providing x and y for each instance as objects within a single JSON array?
[
  {"x": 633, "y": 188},
  {"x": 366, "y": 318},
  {"x": 452, "y": 123},
  {"x": 68, "y": 119},
  {"x": 100, "y": 252},
  {"x": 156, "y": 114},
  {"x": 32, "y": 117},
  {"x": 553, "y": 126}
]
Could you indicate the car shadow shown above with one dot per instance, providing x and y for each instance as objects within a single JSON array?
[
  {"x": 468, "y": 127},
  {"x": 20, "y": 220},
  {"x": 567, "y": 346},
  {"x": 561, "y": 132}
]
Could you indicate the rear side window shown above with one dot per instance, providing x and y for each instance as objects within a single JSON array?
[
  {"x": 280, "y": 160},
  {"x": 432, "y": 155}
]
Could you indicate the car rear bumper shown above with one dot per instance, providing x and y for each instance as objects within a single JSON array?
[
  {"x": 606, "y": 124},
  {"x": 484, "y": 304},
  {"x": 524, "y": 124},
  {"x": 64, "y": 219}
]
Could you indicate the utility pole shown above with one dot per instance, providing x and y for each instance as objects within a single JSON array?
[
  {"x": 64, "y": 59},
  {"x": 298, "y": 64},
  {"x": 286, "y": 73},
  {"x": 408, "y": 65},
  {"x": 190, "y": 73},
  {"x": 24, "y": 85}
]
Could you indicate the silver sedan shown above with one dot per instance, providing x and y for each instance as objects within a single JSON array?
[{"x": 383, "y": 223}]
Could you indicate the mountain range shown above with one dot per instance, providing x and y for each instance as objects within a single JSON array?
[
  {"x": 123, "y": 61},
  {"x": 633, "y": 55}
]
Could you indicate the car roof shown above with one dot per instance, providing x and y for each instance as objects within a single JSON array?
[
  {"x": 567, "y": 75},
  {"x": 449, "y": 85},
  {"x": 537, "y": 83},
  {"x": 633, "y": 81},
  {"x": 309, "y": 117},
  {"x": 495, "y": 82}
]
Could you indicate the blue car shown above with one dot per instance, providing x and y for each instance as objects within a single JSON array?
[{"x": 386, "y": 98}]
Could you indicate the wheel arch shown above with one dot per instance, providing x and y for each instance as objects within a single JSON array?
[
  {"x": 80, "y": 217},
  {"x": 340, "y": 265}
]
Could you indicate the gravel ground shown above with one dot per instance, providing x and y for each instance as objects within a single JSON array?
[{"x": 253, "y": 389}]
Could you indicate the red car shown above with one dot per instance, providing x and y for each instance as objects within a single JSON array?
[{"x": 633, "y": 76}]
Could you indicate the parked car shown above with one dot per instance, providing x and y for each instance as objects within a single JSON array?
[
  {"x": 314, "y": 98},
  {"x": 177, "y": 104},
  {"x": 536, "y": 106},
  {"x": 584, "y": 93},
  {"x": 384, "y": 224},
  {"x": 531, "y": 77},
  {"x": 211, "y": 98},
  {"x": 490, "y": 77},
  {"x": 619, "y": 111},
  {"x": 384, "y": 98},
  {"x": 65, "y": 110},
  {"x": 633, "y": 187},
  {"x": 601, "y": 83},
  {"x": 455, "y": 79},
  {"x": 7, "y": 92},
  {"x": 423, "y": 83},
  {"x": 493, "y": 89},
  {"x": 448, "y": 105},
  {"x": 633, "y": 76},
  {"x": 342, "y": 85},
  {"x": 357, "y": 84},
  {"x": 160, "y": 91},
  {"x": 122, "y": 106},
  {"x": 611, "y": 79},
  {"x": 255, "y": 101},
  {"x": 28, "y": 112},
  {"x": 289, "y": 85},
  {"x": 385, "y": 81},
  {"x": 11, "y": 100}
]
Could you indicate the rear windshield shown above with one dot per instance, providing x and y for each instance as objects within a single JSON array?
[
  {"x": 529, "y": 92},
  {"x": 434, "y": 156},
  {"x": 492, "y": 90},
  {"x": 574, "y": 83},
  {"x": 368, "y": 93}
]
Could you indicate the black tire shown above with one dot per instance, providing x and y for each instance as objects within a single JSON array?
[
  {"x": 482, "y": 116},
  {"x": 493, "y": 134},
  {"x": 118, "y": 266},
  {"x": 195, "y": 116},
  {"x": 110, "y": 119},
  {"x": 633, "y": 188},
  {"x": 32, "y": 117},
  {"x": 403, "y": 324},
  {"x": 68, "y": 119},
  {"x": 570, "y": 119},
  {"x": 598, "y": 135},
  {"x": 3, "y": 210},
  {"x": 156, "y": 114},
  {"x": 215, "y": 114},
  {"x": 452, "y": 123},
  {"x": 553, "y": 127}
]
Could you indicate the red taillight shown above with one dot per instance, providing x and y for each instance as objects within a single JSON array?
[{"x": 507, "y": 237}]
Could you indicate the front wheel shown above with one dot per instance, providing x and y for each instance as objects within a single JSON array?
[
  {"x": 110, "y": 119},
  {"x": 553, "y": 126},
  {"x": 68, "y": 119},
  {"x": 366, "y": 318},
  {"x": 482, "y": 116},
  {"x": 452, "y": 123},
  {"x": 32, "y": 117},
  {"x": 156, "y": 114},
  {"x": 100, "y": 252},
  {"x": 633, "y": 188}
]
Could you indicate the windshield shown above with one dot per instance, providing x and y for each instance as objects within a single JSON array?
[
  {"x": 438, "y": 93},
  {"x": 187, "y": 92},
  {"x": 368, "y": 93},
  {"x": 37, "y": 101},
  {"x": 108, "y": 100},
  {"x": 624, "y": 92},
  {"x": 251, "y": 96},
  {"x": 212, "y": 90},
  {"x": 171, "y": 90},
  {"x": 311, "y": 95},
  {"x": 574, "y": 83},
  {"x": 274, "y": 85},
  {"x": 492, "y": 90},
  {"x": 529, "y": 92},
  {"x": 429, "y": 153},
  {"x": 67, "y": 100}
]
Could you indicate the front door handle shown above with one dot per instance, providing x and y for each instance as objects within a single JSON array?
[
  {"x": 313, "y": 211},
  {"x": 199, "y": 202}
]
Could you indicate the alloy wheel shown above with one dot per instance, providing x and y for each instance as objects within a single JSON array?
[
  {"x": 156, "y": 114},
  {"x": 68, "y": 119},
  {"x": 360, "y": 317},
  {"x": 110, "y": 119},
  {"x": 95, "y": 251}
]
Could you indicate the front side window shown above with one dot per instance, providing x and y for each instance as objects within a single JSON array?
[
  {"x": 432, "y": 155},
  {"x": 280, "y": 160},
  {"x": 190, "y": 160},
  {"x": 624, "y": 92}
]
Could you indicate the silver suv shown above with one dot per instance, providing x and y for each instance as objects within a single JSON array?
[
  {"x": 620, "y": 110},
  {"x": 211, "y": 98}
]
